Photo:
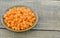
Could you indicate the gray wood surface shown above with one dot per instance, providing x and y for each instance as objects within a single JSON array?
[
  {"x": 48, "y": 25},
  {"x": 48, "y": 14},
  {"x": 29, "y": 34}
]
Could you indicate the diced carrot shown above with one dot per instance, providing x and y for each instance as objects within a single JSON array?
[{"x": 19, "y": 18}]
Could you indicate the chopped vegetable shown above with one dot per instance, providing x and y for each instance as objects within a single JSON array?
[{"x": 19, "y": 18}]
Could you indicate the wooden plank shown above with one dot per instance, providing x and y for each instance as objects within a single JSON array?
[
  {"x": 48, "y": 15},
  {"x": 29, "y": 34}
]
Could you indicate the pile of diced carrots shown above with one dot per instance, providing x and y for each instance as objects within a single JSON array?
[{"x": 19, "y": 18}]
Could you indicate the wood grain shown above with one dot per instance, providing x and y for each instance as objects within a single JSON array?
[
  {"x": 29, "y": 34},
  {"x": 48, "y": 15}
]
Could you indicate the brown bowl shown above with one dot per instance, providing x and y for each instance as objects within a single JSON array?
[{"x": 2, "y": 20}]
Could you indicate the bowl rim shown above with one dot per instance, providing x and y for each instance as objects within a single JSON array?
[{"x": 36, "y": 15}]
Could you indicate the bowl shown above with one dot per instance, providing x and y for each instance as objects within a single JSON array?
[{"x": 2, "y": 20}]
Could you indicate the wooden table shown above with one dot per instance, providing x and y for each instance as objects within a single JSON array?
[{"x": 48, "y": 25}]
